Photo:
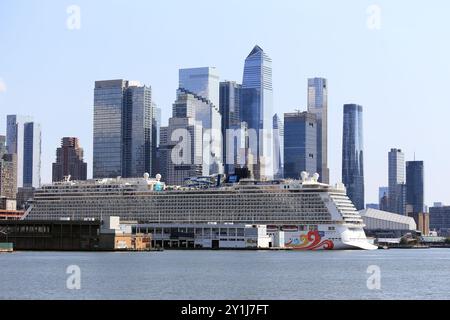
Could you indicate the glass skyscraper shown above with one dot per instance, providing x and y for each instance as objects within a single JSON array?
[
  {"x": 278, "y": 146},
  {"x": 206, "y": 115},
  {"x": 397, "y": 181},
  {"x": 257, "y": 110},
  {"x": 24, "y": 139},
  {"x": 352, "y": 154},
  {"x": 300, "y": 144},
  {"x": 415, "y": 185},
  {"x": 230, "y": 111},
  {"x": 203, "y": 82},
  {"x": 318, "y": 105},
  {"x": 123, "y": 119}
]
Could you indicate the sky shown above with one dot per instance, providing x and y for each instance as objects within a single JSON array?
[{"x": 391, "y": 57}]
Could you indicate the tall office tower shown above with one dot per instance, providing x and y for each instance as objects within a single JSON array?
[
  {"x": 2, "y": 146},
  {"x": 8, "y": 176},
  {"x": 238, "y": 150},
  {"x": 230, "y": 108},
  {"x": 69, "y": 161},
  {"x": 300, "y": 144},
  {"x": 23, "y": 138},
  {"x": 278, "y": 146},
  {"x": 383, "y": 198},
  {"x": 318, "y": 104},
  {"x": 157, "y": 123},
  {"x": 123, "y": 119},
  {"x": 396, "y": 181},
  {"x": 352, "y": 154},
  {"x": 184, "y": 150},
  {"x": 163, "y": 154},
  {"x": 257, "y": 110},
  {"x": 156, "y": 134},
  {"x": 415, "y": 185},
  {"x": 138, "y": 132},
  {"x": 440, "y": 220},
  {"x": 204, "y": 82},
  {"x": 108, "y": 128},
  {"x": 206, "y": 115}
]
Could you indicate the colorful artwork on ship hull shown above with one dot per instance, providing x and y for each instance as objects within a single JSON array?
[{"x": 310, "y": 241}]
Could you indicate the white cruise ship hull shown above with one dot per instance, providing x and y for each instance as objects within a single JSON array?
[{"x": 328, "y": 237}]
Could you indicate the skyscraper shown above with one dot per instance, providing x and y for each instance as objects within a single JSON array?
[
  {"x": 207, "y": 116},
  {"x": 2, "y": 145},
  {"x": 352, "y": 154},
  {"x": 396, "y": 181},
  {"x": 415, "y": 185},
  {"x": 23, "y": 138},
  {"x": 278, "y": 146},
  {"x": 257, "y": 109},
  {"x": 69, "y": 161},
  {"x": 300, "y": 144},
  {"x": 156, "y": 139},
  {"x": 157, "y": 123},
  {"x": 123, "y": 119},
  {"x": 383, "y": 198},
  {"x": 204, "y": 82},
  {"x": 138, "y": 142},
  {"x": 8, "y": 176},
  {"x": 318, "y": 105},
  {"x": 230, "y": 108},
  {"x": 183, "y": 151}
]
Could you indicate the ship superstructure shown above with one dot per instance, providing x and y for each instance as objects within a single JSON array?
[{"x": 309, "y": 214}]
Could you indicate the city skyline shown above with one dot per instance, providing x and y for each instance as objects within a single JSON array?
[{"x": 376, "y": 106}]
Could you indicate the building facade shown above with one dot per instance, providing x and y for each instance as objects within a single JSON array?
[
  {"x": 397, "y": 187},
  {"x": 206, "y": 116},
  {"x": 69, "y": 161},
  {"x": 156, "y": 138},
  {"x": 204, "y": 82},
  {"x": 278, "y": 147},
  {"x": 440, "y": 219},
  {"x": 8, "y": 176},
  {"x": 230, "y": 111},
  {"x": 2, "y": 145},
  {"x": 318, "y": 105},
  {"x": 300, "y": 144},
  {"x": 353, "y": 154},
  {"x": 415, "y": 185},
  {"x": 257, "y": 110},
  {"x": 123, "y": 133},
  {"x": 23, "y": 139}
]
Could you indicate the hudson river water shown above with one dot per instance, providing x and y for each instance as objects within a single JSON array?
[{"x": 404, "y": 274}]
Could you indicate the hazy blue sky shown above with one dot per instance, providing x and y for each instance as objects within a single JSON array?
[{"x": 399, "y": 73}]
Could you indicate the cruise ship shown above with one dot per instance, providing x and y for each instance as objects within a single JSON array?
[{"x": 310, "y": 215}]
